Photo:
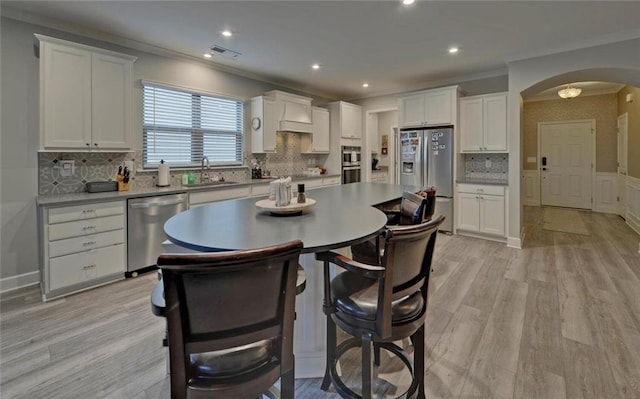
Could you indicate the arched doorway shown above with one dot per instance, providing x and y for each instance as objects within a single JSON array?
[{"x": 617, "y": 62}]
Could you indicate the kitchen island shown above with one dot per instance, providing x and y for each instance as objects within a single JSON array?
[{"x": 342, "y": 216}]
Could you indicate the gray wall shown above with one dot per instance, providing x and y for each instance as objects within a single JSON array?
[{"x": 20, "y": 130}]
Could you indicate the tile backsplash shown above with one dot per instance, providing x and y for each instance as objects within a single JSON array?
[
  {"x": 103, "y": 166},
  {"x": 486, "y": 166}
]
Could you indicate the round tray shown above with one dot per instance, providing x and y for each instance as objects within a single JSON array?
[{"x": 292, "y": 209}]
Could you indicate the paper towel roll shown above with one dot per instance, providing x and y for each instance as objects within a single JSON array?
[{"x": 163, "y": 175}]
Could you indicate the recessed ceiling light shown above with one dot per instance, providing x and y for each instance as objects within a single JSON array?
[
  {"x": 315, "y": 66},
  {"x": 453, "y": 50},
  {"x": 206, "y": 55},
  {"x": 365, "y": 85},
  {"x": 407, "y": 2},
  {"x": 227, "y": 33}
]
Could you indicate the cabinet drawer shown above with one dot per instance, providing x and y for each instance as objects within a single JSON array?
[
  {"x": 331, "y": 181},
  {"x": 84, "y": 227},
  {"x": 204, "y": 197},
  {"x": 84, "y": 243},
  {"x": 480, "y": 189},
  {"x": 85, "y": 266},
  {"x": 88, "y": 211}
]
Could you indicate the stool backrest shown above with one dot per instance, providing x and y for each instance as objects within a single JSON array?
[{"x": 223, "y": 300}]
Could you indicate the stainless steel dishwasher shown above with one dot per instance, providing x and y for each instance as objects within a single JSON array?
[{"x": 145, "y": 228}]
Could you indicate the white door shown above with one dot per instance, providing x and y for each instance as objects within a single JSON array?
[
  {"x": 566, "y": 163},
  {"x": 622, "y": 164}
]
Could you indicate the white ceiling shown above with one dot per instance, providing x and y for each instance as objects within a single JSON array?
[{"x": 393, "y": 47}]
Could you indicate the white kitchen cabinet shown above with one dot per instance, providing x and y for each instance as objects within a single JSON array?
[
  {"x": 481, "y": 209},
  {"x": 199, "y": 198},
  {"x": 85, "y": 97},
  {"x": 263, "y": 125},
  {"x": 318, "y": 142},
  {"x": 483, "y": 123},
  {"x": 428, "y": 108},
  {"x": 83, "y": 246},
  {"x": 346, "y": 119}
]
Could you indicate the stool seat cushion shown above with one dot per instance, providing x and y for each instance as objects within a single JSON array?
[
  {"x": 233, "y": 361},
  {"x": 357, "y": 296}
]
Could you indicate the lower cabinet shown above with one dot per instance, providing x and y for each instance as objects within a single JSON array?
[
  {"x": 84, "y": 246},
  {"x": 481, "y": 209}
]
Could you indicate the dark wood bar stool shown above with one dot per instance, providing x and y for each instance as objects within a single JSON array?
[
  {"x": 379, "y": 304},
  {"x": 230, "y": 319}
]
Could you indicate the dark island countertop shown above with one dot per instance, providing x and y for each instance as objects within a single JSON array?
[{"x": 343, "y": 215}]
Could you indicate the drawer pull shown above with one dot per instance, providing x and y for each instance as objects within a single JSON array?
[
  {"x": 88, "y": 243},
  {"x": 480, "y": 190},
  {"x": 89, "y": 267},
  {"x": 88, "y": 227}
]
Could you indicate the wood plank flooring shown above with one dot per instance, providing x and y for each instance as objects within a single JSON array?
[{"x": 557, "y": 319}]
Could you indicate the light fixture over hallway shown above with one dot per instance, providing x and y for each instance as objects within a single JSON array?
[{"x": 570, "y": 92}]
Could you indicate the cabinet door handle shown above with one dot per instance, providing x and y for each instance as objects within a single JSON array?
[
  {"x": 481, "y": 198},
  {"x": 477, "y": 197},
  {"x": 96, "y": 144},
  {"x": 88, "y": 144}
]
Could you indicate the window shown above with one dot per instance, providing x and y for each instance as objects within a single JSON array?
[{"x": 181, "y": 127}]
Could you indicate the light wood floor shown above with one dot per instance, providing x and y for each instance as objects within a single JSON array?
[{"x": 558, "y": 319}]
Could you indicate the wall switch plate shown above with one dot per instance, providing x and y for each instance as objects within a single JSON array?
[{"x": 487, "y": 163}]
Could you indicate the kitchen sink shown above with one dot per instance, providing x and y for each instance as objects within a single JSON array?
[{"x": 211, "y": 183}]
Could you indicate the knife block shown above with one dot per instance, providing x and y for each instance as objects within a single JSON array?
[{"x": 122, "y": 186}]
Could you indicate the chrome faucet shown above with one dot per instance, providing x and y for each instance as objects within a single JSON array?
[{"x": 202, "y": 168}]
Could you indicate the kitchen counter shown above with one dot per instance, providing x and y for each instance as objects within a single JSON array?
[
  {"x": 490, "y": 182},
  {"x": 84, "y": 197},
  {"x": 343, "y": 215}
]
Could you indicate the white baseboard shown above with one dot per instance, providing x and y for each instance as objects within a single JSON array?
[
  {"x": 514, "y": 242},
  {"x": 20, "y": 281}
]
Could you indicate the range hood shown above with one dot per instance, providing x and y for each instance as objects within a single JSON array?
[{"x": 293, "y": 112}]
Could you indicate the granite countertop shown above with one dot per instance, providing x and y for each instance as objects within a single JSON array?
[
  {"x": 153, "y": 191},
  {"x": 490, "y": 182}
]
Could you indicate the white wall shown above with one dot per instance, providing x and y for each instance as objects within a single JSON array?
[
  {"x": 615, "y": 62},
  {"x": 20, "y": 129}
]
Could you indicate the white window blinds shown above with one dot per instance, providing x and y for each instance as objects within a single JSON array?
[{"x": 181, "y": 127}]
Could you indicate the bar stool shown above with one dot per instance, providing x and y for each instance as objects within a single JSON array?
[
  {"x": 230, "y": 321},
  {"x": 379, "y": 304}
]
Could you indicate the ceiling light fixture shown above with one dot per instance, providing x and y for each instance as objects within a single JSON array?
[
  {"x": 227, "y": 33},
  {"x": 453, "y": 50},
  {"x": 407, "y": 2},
  {"x": 206, "y": 55},
  {"x": 365, "y": 85},
  {"x": 315, "y": 66},
  {"x": 570, "y": 92}
]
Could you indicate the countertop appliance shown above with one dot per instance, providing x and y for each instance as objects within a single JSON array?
[
  {"x": 426, "y": 159},
  {"x": 145, "y": 228},
  {"x": 351, "y": 165}
]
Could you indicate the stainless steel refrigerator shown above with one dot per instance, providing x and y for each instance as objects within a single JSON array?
[{"x": 425, "y": 159}]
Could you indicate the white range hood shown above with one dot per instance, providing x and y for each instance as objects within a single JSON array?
[{"x": 293, "y": 112}]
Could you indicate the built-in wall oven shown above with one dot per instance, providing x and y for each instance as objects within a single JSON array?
[{"x": 351, "y": 165}]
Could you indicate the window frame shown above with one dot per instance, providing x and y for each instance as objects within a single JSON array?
[{"x": 195, "y": 130}]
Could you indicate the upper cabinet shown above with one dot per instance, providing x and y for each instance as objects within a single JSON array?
[
  {"x": 85, "y": 97},
  {"x": 263, "y": 125},
  {"x": 346, "y": 119},
  {"x": 428, "y": 108},
  {"x": 483, "y": 123},
  {"x": 318, "y": 142}
]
